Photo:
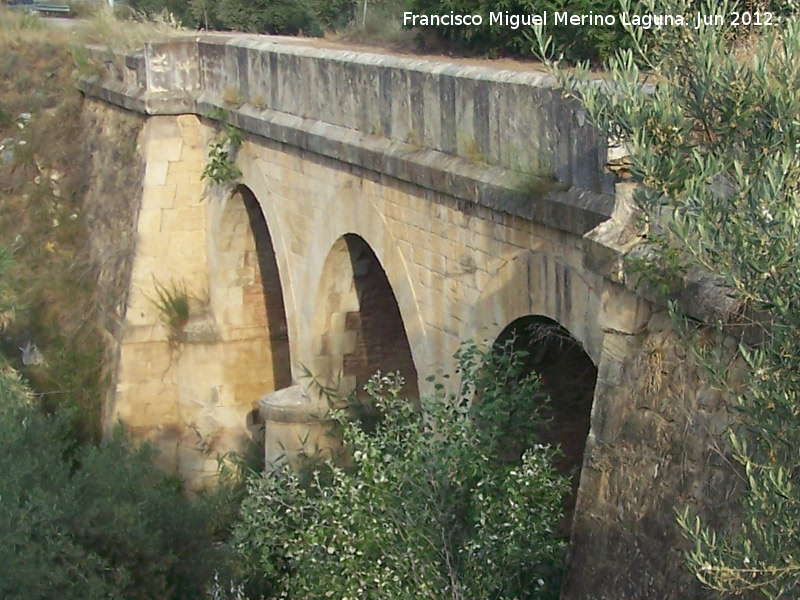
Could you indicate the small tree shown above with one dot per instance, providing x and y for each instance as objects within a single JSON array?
[
  {"x": 714, "y": 141},
  {"x": 425, "y": 509}
]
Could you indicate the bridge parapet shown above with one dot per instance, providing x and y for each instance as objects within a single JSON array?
[
  {"x": 379, "y": 221},
  {"x": 511, "y": 119},
  {"x": 503, "y": 139},
  {"x": 483, "y": 135}
]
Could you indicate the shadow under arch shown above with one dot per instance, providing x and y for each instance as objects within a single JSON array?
[
  {"x": 539, "y": 290},
  {"x": 533, "y": 283},
  {"x": 246, "y": 297},
  {"x": 568, "y": 377},
  {"x": 357, "y": 326}
]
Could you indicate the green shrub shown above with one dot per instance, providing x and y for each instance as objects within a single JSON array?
[
  {"x": 285, "y": 17},
  {"x": 173, "y": 304},
  {"x": 592, "y": 42},
  {"x": 180, "y": 9},
  {"x": 425, "y": 509},
  {"x": 334, "y": 14},
  {"x": 92, "y": 522},
  {"x": 715, "y": 145},
  {"x": 206, "y": 14},
  {"x": 221, "y": 167},
  {"x": 587, "y": 42}
]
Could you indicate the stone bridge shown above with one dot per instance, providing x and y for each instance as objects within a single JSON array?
[{"x": 388, "y": 209}]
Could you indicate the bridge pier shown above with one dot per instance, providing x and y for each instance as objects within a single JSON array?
[{"x": 191, "y": 386}]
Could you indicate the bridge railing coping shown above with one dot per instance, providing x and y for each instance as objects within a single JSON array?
[
  {"x": 422, "y": 65},
  {"x": 504, "y": 118}
]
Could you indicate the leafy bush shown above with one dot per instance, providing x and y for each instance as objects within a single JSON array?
[
  {"x": 206, "y": 14},
  {"x": 92, "y": 522},
  {"x": 221, "y": 167},
  {"x": 182, "y": 10},
  {"x": 716, "y": 147},
  {"x": 288, "y": 17},
  {"x": 334, "y": 14},
  {"x": 424, "y": 509},
  {"x": 591, "y": 42}
]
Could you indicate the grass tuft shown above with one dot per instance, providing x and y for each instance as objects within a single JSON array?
[
  {"x": 383, "y": 26},
  {"x": 174, "y": 308}
]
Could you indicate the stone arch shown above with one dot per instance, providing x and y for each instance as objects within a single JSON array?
[
  {"x": 568, "y": 376},
  {"x": 342, "y": 209},
  {"x": 357, "y": 326},
  {"x": 533, "y": 283},
  {"x": 537, "y": 289},
  {"x": 254, "y": 178},
  {"x": 246, "y": 298}
]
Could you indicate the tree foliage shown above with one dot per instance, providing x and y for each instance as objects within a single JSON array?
[
  {"x": 284, "y": 17},
  {"x": 270, "y": 16},
  {"x": 424, "y": 509},
  {"x": 714, "y": 139},
  {"x": 592, "y": 43},
  {"x": 92, "y": 522}
]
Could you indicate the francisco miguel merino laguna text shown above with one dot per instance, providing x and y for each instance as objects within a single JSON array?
[{"x": 556, "y": 18}]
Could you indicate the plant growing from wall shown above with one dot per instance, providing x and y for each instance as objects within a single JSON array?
[
  {"x": 221, "y": 167},
  {"x": 172, "y": 302},
  {"x": 425, "y": 509},
  {"x": 233, "y": 97},
  {"x": 715, "y": 145}
]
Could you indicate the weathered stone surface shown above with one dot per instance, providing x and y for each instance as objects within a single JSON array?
[
  {"x": 341, "y": 194},
  {"x": 622, "y": 311},
  {"x": 657, "y": 444},
  {"x": 564, "y": 185},
  {"x": 201, "y": 329},
  {"x": 296, "y": 427}
]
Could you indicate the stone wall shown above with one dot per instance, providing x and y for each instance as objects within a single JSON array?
[
  {"x": 456, "y": 270},
  {"x": 515, "y": 120},
  {"x": 110, "y": 209},
  {"x": 462, "y": 251},
  {"x": 658, "y": 444},
  {"x": 194, "y": 391},
  {"x": 502, "y": 139}
]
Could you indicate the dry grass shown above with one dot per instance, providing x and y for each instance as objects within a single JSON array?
[
  {"x": 100, "y": 27},
  {"x": 382, "y": 27},
  {"x": 654, "y": 370},
  {"x": 66, "y": 206},
  {"x": 233, "y": 98},
  {"x": 107, "y": 30}
]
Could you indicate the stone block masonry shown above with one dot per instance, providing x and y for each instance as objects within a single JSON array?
[{"x": 389, "y": 209}]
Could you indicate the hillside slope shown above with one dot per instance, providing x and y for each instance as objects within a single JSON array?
[{"x": 69, "y": 185}]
